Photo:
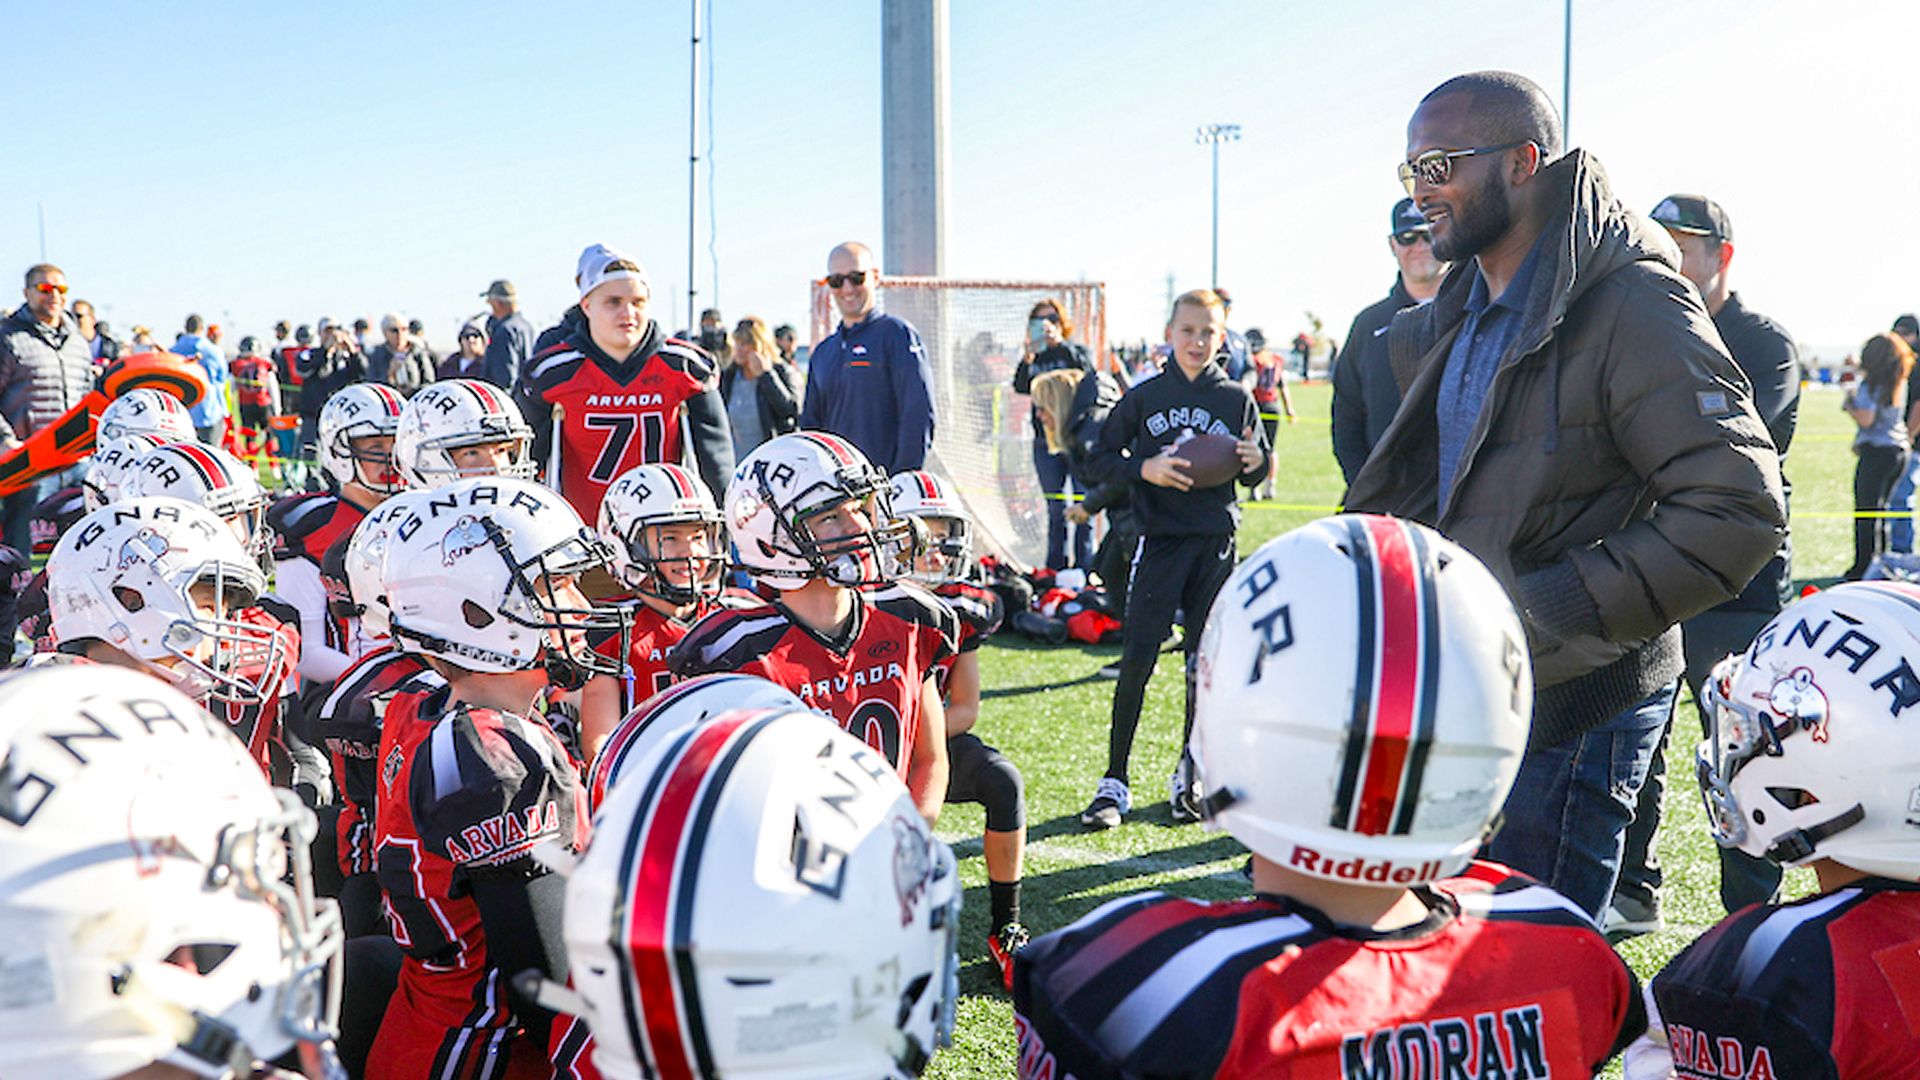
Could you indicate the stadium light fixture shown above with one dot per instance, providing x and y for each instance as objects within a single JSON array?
[{"x": 1213, "y": 135}]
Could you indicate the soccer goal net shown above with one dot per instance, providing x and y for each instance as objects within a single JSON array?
[{"x": 982, "y": 444}]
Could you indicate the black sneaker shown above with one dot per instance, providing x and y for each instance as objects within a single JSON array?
[{"x": 1110, "y": 804}]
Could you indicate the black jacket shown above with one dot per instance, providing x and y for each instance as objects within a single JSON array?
[
  {"x": 1365, "y": 395},
  {"x": 1159, "y": 412},
  {"x": 1093, "y": 401},
  {"x": 327, "y": 371},
  {"x": 1771, "y": 361},
  {"x": 777, "y": 393}
]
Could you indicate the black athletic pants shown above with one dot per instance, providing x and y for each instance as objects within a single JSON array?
[
  {"x": 1170, "y": 574},
  {"x": 1874, "y": 475}
]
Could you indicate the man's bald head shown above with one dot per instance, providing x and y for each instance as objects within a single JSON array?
[
  {"x": 1503, "y": 108},
  {"x": 852, "y": 255}
]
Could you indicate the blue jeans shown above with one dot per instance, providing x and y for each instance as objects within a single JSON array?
[
  {"x": 1571, "y": 804},
  {"x": 1056, "y": 480},
  {"x": 1900, "y": 529}
]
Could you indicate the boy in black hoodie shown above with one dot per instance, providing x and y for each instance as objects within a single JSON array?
[{"x": 1186, "y": 549}]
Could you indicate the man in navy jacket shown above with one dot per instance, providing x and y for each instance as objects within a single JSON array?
[{"x": 869, "y": 382}]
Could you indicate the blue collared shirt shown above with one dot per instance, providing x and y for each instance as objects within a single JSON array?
[{"x": 1485, "y": 335}]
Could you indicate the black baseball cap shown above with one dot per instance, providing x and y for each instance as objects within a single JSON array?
[
  {"x": 1695, "y": 215},
  {"x": 1906, "y": 324},
  {"x": 1407, "y": 218}
]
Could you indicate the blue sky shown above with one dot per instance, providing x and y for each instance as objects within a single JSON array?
[{"x": 259, "y": 161}]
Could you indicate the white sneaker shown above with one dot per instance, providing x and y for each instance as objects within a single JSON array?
[
  {"x": 1111, "y": 801},
  {"x": 1183, "y": 794}
]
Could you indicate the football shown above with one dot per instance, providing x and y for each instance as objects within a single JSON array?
[{"x": 1212, "y": 460}]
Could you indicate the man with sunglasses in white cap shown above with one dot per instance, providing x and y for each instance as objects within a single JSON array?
[
  {"x": 618, "y": 392},
  {"x": 1365, "y": 396},
  {"x": 869, "y": 382},
  {"x": 1571, "y": 418}
]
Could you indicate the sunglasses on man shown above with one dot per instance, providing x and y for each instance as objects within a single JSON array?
[
  {"x": 1410, "y": 237},
  {"x": 857, "y": 277},
  {"x": 1435, "y": 167},
  {"x": 48, "y": 288}
]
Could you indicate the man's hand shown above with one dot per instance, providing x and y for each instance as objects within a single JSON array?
[
  {"x": 1249, "y": 450},
  {"x": 1165, "y": 469},
  {"x": 1078, "y": 514}
]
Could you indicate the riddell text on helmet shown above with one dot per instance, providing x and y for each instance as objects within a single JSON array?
[{"x": 1381, "y": 871}]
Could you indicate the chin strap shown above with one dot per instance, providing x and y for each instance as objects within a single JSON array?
[{"x": 1802, "y": 843}]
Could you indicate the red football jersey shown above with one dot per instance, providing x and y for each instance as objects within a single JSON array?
[
  {"x": 979, "y": 611},
  {"x": 305, "y": 525},
  {"x": 868, "y": 678},
  {"x": 1505, "y": 977},
  {"x": 610, "y": 419},
  {"x": 1825, "y": 987},
  {"x": 653, "y": 637},
  {"x": 463, "y": 791},
  {"x": 348, "y": 727}
]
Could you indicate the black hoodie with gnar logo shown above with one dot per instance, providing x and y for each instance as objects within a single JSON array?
[{"x": 1160, "y": 412}]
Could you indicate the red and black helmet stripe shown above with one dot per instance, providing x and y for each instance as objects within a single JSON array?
[
  {"x": 485, "y": 392},
  {"x": 388, "y": 397},
  {"x": 1395, "y": 679},
  {"x": 653, "y": 911},
  {"x": 928, "y": 488},
  {"x": 841, "y": 452},
  {"x": 682, "y": 484},
  {"x": 212, "y": 476}
]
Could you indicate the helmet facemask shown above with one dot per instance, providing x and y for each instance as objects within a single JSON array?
[
  {"x": 369, "y": 453},
  {"x": 651, "y": 574},
  {"x": 876, "y": 549},
  {"x": 212, "y": 653},
  {"x": 943, "y": 548},
  {"x": 435, "y": 462},
  {"x": 568, "y": 622},
  {"x": 1743, "y": 734}
]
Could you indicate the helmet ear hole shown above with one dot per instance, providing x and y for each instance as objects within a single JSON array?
[
  {"x": 1792, "y": 798},
  {"x": 476, "y": 616},
  {"x": 129, "y": 598}
]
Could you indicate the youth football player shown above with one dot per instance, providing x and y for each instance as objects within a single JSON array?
[
  {"x": 1810, "y": 762},
  {"x": 811, "y": 521},
  {"x": 482, "y": 579},
  {"x": 1363, "y": 704},
  {"x": 976, "y": 772}
]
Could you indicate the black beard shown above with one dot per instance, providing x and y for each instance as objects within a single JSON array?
[{"x": 1482, "y": 217}]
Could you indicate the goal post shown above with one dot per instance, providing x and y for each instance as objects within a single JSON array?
[{"x": 973, "y": 331}]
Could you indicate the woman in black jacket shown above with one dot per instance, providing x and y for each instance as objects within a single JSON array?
[
  {"x": 761, "y": 391},
  {"x": 1048, "y": 348}
]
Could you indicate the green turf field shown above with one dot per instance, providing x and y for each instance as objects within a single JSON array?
[{"x": 1047, "y": 710}]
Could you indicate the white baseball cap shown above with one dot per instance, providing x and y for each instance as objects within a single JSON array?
[{"x": 600, "y": 264}]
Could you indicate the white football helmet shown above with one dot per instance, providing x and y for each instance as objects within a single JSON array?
[
  {"x": 918, "y": 494},
  {"x": 469, "y": 570},
  {"x": 791, "y": 478},
  {"x": 156, "y": 895},
  {"x": 1810, "y": 757},
  {"x": 451, "y": 414},
  {"x": 126, "y": 575},
  {"x": 785, "y": 873},
  {"x": 637, "y": 503},
  {"x": 107, "y": 467},
  {"x": 210, "y": 477},
  {"x": 144, "y": 411},
  {"x": 675, "y": 709},
  {"x": 365, "y": 563},
  {"x": 1364, "y": 696},
  {"x": 354, "y": 412}
]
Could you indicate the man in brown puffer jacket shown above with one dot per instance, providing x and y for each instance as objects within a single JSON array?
[{"x": 1571, "y": 417}]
